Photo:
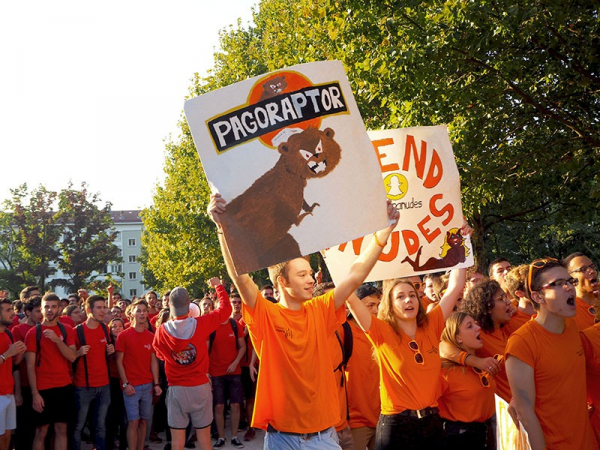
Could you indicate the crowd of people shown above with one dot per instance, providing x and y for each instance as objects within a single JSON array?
[{"x": 413, "y": 363}]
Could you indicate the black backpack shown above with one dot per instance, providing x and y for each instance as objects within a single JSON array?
[
  {"x": 213, "y": 335},
  {"x": 81, "y": 336},
  {"x": 347, "y": 347},
  {"x": 38, "y": 339}
]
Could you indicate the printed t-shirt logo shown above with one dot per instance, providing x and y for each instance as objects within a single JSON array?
[
  {"x": 186, "y": 356},
  {"x": 287, "y": 332}
]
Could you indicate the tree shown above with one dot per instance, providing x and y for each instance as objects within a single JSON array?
[
  {"x": 28, "y": 238},
  {"x": 87, "y": 244},
  {"x": 177, "y": 241},
  {"x": 517, "y": 85}
]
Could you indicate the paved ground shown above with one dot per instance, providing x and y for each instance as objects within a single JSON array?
[{"x": 255, "y": 444}]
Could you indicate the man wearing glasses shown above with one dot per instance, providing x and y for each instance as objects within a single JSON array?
[
  {"x": 585, "y": 272},
  {"x": 545, "y": 364}
]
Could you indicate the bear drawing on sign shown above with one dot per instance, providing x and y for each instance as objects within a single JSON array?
[
  {"x": 257, "y": 222},
  {"x": 273, "y": 87},
  {"x": 453, "y": 252}
]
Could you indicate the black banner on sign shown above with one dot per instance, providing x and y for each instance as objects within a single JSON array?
[{"x": 253, "y": 121}]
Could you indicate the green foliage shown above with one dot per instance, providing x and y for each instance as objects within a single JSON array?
[
  {"x": 28, "y": 237},
  {"x": 87, "y": 244},
  {"x": 178, "y": 241},
  {"x": 517, "y": 84}
]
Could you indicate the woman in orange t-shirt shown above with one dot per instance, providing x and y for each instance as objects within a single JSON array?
[
  {"x": 488, "y": 305},
  {"x": 406, "y": 341},
  {"x": 467, "y": 403}
]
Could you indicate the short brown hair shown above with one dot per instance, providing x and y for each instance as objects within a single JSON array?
[{"x": 280, "y": 270}]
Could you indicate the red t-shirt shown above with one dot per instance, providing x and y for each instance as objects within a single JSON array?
[
  {"x": 96, "y": 358},
  {"x": 53, "y": 370},
  {"x": 181, "y": 344},
  {"x": 137, "y": 358},
  {"x": 19, "y": 332},
  {"x": 7, "y": 382},
  {"x": 67, "y": 321},
  {"x": 224, "y": 351}
]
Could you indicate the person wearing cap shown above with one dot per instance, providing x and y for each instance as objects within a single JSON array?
[
  {"x": 181, "y": 344},
  {"x": 546, "y": 367}
]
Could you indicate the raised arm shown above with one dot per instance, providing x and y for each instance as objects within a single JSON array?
[
  {"x": 363, "y": 264},
  {"x": 360, "y": 312},
  {"x": 246, "y": 287}
]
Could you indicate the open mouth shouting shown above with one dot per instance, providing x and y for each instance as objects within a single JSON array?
[{"x": 571, "y": 301}]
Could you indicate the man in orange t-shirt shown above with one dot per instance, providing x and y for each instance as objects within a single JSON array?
[
  {"x": 590, "y": 338},
  {"x": 362, "y": 377},
  {"x": 545, "y": 365},
  {"x": 296, "y": 398},
  {"x": 585, "y": 271}
]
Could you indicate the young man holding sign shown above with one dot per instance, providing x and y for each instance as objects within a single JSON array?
[{"x": 296, "y": 398}]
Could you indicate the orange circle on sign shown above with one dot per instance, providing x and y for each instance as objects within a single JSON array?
[{"x": 290, "y": 82}]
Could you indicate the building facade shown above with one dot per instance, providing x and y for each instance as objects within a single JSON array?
[{"x": 128, "y": 225}]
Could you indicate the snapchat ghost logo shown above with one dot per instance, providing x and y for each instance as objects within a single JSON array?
[{"x": 396, "y": 186}]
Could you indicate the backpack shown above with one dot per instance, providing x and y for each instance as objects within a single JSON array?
[
  {"x": 213, "y": 335},
  {"x": 347, "y": 347},
  {"x": 38, "y": 339},
  {"x": 81, "y": 336}
]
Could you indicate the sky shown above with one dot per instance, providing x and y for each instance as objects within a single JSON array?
[{"x": 91, "y": 90}]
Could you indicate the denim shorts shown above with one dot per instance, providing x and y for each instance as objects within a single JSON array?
[
  {"x": 139, "y": 405},
  {"x": 325, "y": 440}
]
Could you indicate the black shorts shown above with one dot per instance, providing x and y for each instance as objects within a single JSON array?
[
  {"x": 59, "y": 405},
  {"x": 248, "y": 385},
  {"x": 224, "y": 384}
]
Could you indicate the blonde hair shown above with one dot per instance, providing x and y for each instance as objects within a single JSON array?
[{"x": 450, "y": 333}]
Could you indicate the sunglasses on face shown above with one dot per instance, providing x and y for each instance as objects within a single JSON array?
[
  {"x": 418, "y": 285},
  {"x": 417, "y": 353},
  {"x": 538, "y": 264},
  {"x": 236, "y": 302},
  {"x": 561, "y": 282}
]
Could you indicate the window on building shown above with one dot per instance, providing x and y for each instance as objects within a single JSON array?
[
  {"x": 131, "y": 242},
  {"x": 132, "y": 258},
  {"x": 133, "y": 275},
  {"x": 114, "y": 268},
  {"x": 132, "y": 292}
]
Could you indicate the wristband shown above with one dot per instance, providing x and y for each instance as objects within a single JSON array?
[
  {"x": 377, "y": 240},
  {"x": 3, "y": 357}
]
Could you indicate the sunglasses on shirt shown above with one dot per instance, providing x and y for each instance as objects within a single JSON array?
[{"x": 417, "y": 352}]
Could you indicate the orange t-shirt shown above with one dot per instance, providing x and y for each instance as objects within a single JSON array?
[
  {"x": 516, "y": 322},
  {"x": 362, "y": 382},
  {"x": 584, "y": 319},
  {"x": 404, "y": 383},
  {"x": 558, "y": 362},
  {"x": 494, "y": 343},
  {"x": 464, "y": 398},
  {"x": 336, "y": 358},
  {"x": 296, "y": 390},
  {"x": 590, "y": 338}
]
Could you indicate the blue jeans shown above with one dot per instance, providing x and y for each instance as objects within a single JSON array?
[
  {"x": 325, "y": 440},
  {"x": 83, "y": 398}
]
